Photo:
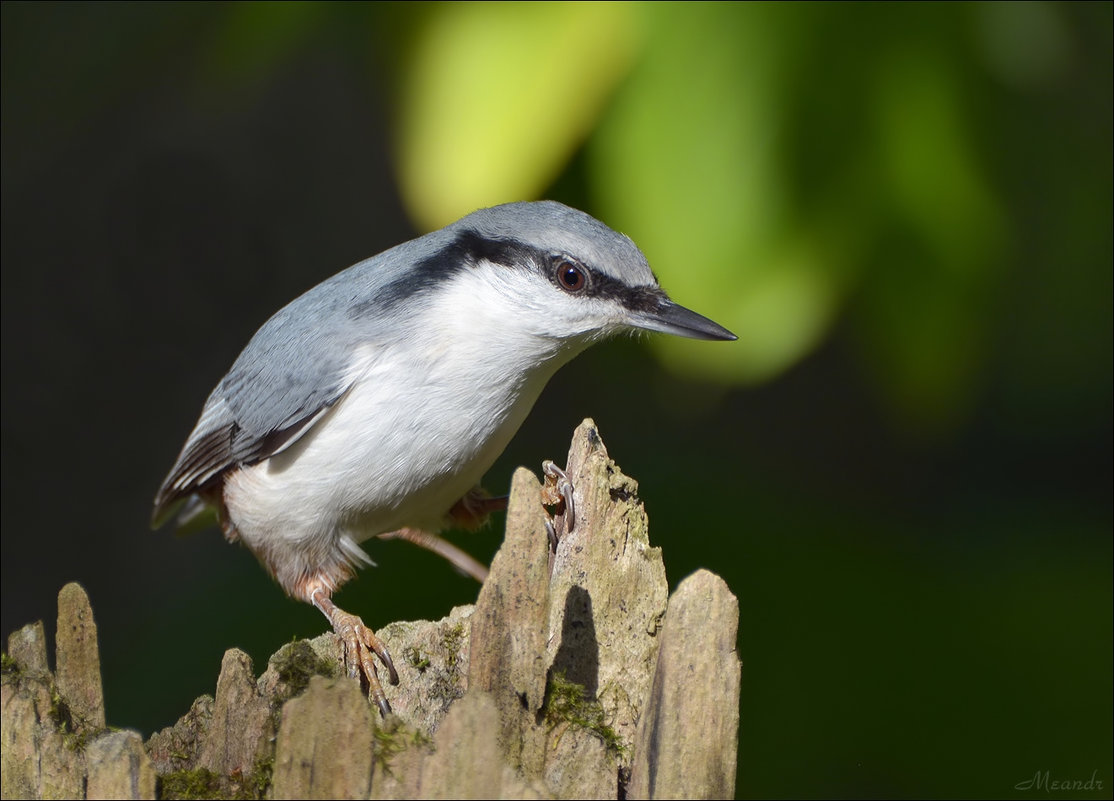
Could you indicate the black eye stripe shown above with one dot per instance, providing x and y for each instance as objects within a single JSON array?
[
  {"x": 469, "y": 247},
  {"x": 600, "y": 285}
]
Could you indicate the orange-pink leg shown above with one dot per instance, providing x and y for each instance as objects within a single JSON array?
[
  {"x": 443, "y": 548},
  {"x": 359, "y": 643},
  {"x": 470, "y": 512}
]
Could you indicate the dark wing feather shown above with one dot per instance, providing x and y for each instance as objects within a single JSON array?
[
  {"x": 284, "y": 380},
  {"x": 298, "y": 364}
]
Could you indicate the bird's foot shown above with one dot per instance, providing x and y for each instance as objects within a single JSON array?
[
  {"x": 472, "y": 511},
  {"x": 557, "y": 492},
  {"x": 360, "y": 644}
]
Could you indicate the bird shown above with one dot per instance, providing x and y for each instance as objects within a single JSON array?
[{"x": 375, "y": 402}]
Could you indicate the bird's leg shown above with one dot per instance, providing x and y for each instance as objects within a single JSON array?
[
  {"x": 359, "y": 643},
  {"x": 470, "y": 512},
  {"x": 443, "y": 548}
]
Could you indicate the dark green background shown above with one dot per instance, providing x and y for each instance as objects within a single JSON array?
[{"x": 925, "y": 599}]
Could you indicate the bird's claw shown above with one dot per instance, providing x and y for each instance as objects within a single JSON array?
[
  {"x": 551, "y": 534},
  {"x": 557, "y": 490},
  {"x": 360, "y": 645}
]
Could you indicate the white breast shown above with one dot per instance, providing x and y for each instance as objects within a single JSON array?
[{"x": 423, "y": 421}]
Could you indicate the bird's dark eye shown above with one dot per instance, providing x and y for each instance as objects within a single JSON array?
[{"x": 571, "y": 277}]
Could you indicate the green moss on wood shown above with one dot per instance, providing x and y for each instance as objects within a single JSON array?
[
  {"x": 452, "y": 642},
  {"x": 296, "y": 663},
  {"x": 202, "y": 783},
  {"x": 392, "y": 738},
  {"x": 569, "y": 703},
  {"x": 198, "y": 783},
  {"x": 416, "y": 659}
]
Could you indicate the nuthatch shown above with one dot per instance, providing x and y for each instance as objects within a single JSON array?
[{"x": 377, "y": 400}]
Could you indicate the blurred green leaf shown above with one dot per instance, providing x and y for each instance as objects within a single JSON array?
[
  {"x": 926, "y": 308},
  {"x": 497, "y": 96},
  {"x": 689, "y": 163}
]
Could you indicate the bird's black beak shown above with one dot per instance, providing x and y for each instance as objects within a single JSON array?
[{"x": 673, "y": 318}]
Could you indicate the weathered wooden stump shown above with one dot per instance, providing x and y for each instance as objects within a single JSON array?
[
  {"x": 55, "y": 744},
  {"x": 573, "y": 676}
]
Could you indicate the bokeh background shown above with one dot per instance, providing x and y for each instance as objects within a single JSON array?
[{"x": 902, "y": 468}]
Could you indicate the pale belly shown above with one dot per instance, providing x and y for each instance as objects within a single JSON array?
[{"x": 376, "y": 462}]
